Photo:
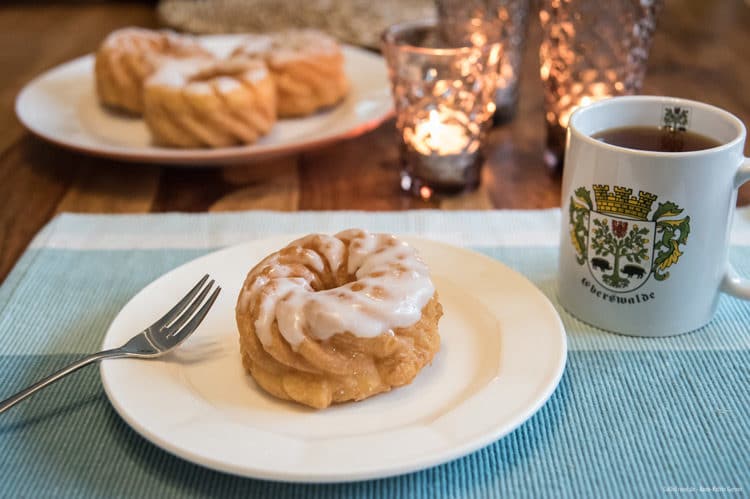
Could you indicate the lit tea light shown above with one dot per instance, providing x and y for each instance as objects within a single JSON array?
[
  {"x": 438, "y": 135},
  {"x": 443, "y": 94}
]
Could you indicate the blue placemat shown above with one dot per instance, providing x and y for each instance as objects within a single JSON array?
[{"x": 631, "y": 417}]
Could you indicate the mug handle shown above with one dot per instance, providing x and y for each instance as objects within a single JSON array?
[{"x": 733, "y": 284}]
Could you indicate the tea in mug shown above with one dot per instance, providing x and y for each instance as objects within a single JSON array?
[{"x": 652, "y": 138}]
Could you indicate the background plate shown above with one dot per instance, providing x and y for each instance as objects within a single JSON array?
[{"x": 61, "y": 106}]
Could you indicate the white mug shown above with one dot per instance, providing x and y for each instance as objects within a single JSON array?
[{"x": 645, "y": 235}]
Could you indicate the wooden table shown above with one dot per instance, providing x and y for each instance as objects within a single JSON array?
[{"x": 700, "y": 51}]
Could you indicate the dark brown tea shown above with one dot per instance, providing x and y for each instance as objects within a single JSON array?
[{"x": 651, "y": 138}]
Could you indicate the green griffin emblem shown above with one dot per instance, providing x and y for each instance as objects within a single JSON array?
[{"x": 622, "y": 242}]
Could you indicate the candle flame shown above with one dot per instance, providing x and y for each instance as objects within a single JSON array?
[{"x": 438, "y": 134}]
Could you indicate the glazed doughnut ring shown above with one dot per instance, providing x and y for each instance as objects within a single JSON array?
[
  {"x": 330, "y": 319},
  {"x": 307, "y": 67},
  {"x": 204, "y": 103},
  {"x": 130, "y": 55}
]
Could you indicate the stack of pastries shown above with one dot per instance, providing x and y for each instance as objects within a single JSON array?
[{"x": 191, "y": 98}]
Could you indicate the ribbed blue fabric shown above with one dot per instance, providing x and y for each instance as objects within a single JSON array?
[{"x": 631, "y": 418}]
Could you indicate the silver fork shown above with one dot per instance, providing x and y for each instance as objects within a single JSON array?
[{"x": 156, "y": 340}]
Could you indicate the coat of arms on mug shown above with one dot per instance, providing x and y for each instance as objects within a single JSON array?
[{"x": 622, "y": 239}]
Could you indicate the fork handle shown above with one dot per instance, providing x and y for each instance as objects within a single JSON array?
[{"x": 13, "y": 400}]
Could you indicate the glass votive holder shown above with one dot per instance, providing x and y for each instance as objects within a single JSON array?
[
  {"x": 443, "y": 95},
  {"x": 590, "y": 50},
  {"x": 479, "y": 21}
]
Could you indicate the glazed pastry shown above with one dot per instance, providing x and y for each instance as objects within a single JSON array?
[
  {"x": 128, "y": 56},
  {"x": 307, "y": 67},
  {"x": 330, "y": 319},
  {"x": 199, "y": 103}
]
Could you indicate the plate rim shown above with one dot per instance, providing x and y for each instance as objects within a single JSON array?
[
  {"x": 206, "y": 157},
  {"x": 386, "y": 470}
]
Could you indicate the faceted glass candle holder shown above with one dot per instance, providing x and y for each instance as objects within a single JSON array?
[
  {"x": 443, "y": 95},
  {"x": 590, "y": 50},
  {"x": 479, "y": 21}
]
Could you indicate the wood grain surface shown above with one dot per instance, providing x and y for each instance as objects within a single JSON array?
[{"x": 699, "y": 52}]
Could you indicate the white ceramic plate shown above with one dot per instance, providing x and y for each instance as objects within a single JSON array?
[
  {"x": 502, "y": 354},
  {"x": 61, "y": 106}
]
